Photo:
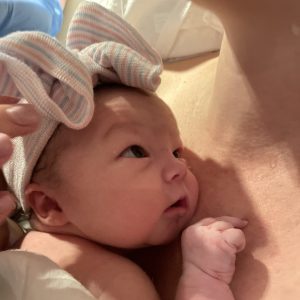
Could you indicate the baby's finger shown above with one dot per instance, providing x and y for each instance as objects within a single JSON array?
[
  {"x": 206, "y": 221},
  {"x": 220, "y": 225},
  {"x": 235, "y": 238},
  {"x": 235, "y": 222},
  {"x": 18, "y": 119}
]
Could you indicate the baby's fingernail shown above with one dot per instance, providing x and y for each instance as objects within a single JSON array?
[
  {"x": 5, "y": 146},
  {"x": 23, "y": 114}
]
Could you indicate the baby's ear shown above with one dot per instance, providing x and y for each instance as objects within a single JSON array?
[{"x": 46, "y": 208}]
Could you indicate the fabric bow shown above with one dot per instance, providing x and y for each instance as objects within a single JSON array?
[{"x": 58, "y": 81}]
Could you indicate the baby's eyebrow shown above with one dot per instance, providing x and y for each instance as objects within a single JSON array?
[{"x": 121, "y": 127}]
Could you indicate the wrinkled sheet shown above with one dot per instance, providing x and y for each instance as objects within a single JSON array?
[
  {"x": 175, "y": 28},
  {"x": 27, "y": 276}
]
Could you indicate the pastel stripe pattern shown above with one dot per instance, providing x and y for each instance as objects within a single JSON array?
[{"x": 58, "y": 81}]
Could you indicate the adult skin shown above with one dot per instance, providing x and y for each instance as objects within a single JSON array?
[
  {"x": 15, "y": 119},
  {"x": 248, "y": 141}
]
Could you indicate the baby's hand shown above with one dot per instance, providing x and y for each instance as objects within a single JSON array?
[{"x": 211, "y": 246}]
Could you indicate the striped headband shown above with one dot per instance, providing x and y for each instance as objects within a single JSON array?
[{"x": 58, "y": 81}]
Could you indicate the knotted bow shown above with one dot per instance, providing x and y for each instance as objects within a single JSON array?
[{"x": 59, "y": 81}]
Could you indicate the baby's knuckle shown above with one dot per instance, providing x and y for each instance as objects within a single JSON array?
[{"x": 192, "y": 233}]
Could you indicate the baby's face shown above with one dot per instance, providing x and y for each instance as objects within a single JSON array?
[{"x": 124, "y": 182}]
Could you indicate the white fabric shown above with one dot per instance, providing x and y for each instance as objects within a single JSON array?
[
  {"x": 175, "y": 28},
  {"x": 27, "y": 276}
]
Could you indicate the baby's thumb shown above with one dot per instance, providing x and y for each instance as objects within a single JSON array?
[{"x": 235, "y": 238}]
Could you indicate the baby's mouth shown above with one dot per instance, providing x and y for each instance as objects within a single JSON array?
[{"x": 179, "y": 206}]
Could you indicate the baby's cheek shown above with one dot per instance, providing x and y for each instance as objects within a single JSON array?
[{"x": 193, "y": 187}]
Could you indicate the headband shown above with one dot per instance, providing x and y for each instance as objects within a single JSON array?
[{"x": 58, "y": 81}]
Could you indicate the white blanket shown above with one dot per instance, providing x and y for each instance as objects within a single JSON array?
[
  {"x": 27, "y": 276},
  {"x": 175, "y": 28}
]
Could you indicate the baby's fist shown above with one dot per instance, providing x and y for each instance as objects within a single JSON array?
[{"x": 211, "y": 246}]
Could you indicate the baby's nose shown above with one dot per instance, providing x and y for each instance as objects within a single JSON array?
[{"x": 174, "y": 169}]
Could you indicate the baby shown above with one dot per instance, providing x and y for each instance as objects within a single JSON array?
[
  {"x": 119, "y": 181},
  {"x": 122, "y": 182}
]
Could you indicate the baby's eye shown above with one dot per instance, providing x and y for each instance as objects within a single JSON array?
[
  {"x": 177, "y": 153},
  {"x": 134, "y": 151}
]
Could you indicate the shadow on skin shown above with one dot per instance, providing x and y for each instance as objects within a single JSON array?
[
  {"x": 215, "y": 183},
  {"x": 3, "y": 184},
  {"x": 163, "y": 264},
  {"x": 271, "y": 78},
  {"x": 188, "y": 64}
]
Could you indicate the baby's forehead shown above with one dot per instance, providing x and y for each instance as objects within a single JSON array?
[
  {"x": 118, "y": 106},
  {"x": 124, "y": 104}
]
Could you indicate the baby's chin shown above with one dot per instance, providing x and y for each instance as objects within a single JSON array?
[
  {"x": 150, "y": 242},
  {"x": 163, "y": 233}
]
